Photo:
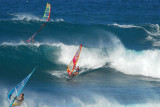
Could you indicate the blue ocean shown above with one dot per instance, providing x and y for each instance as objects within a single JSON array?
[{"x": 119, "y": 62}]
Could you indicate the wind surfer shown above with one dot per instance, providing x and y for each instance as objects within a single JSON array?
[
  {"x": 76, "y": 73},
  {"x": 32, "y": 40},
  {"x": 19, "y": 100}
]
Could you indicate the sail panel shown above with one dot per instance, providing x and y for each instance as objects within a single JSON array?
[{"x": 46, "y": 16}]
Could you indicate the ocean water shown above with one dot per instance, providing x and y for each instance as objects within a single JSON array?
[{"x": 119, "y": 62}]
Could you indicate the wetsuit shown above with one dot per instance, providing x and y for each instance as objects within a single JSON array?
[{"x": 77, "y": 70}]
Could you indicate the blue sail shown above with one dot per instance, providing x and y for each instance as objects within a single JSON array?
[{"x": 16, "y": 91}]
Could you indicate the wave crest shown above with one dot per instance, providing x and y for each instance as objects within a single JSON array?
[{"x": 31, "y": 17}]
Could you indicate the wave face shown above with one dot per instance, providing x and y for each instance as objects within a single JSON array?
[
  {"x": 138, "y": 37},
  {"x": 119, "y": 62}
]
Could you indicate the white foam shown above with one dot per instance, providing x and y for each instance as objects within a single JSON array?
[
  {"x": 21, "y": 43},
  {"x": 3, "y": 95},
  {"x": 59, "y": 74},
  {"x": 99, "y": 101},
  {"x": 30, "y": 43},
  {"x": 133, "y": 62},
  {"x": 31, "y": 17},
  {"x": 33, "y": 101},
  {"x": 154, "y": 32},
  {"x": 90, "y": 58},
  {"x": 125, "y": 26},
  {"x": 59, "y": 20},
  {"x": 43, "y": 99},
  {"x": 26, "y": 17},
  {"x": 127, "y": 61},
  {"x": 155, "y": 29}
]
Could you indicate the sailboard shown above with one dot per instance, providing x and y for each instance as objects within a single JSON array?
[
  {"x": 17, "y": 90},
  {"x": 74, "y": 61},
  {"x": 46, "y": 17}
]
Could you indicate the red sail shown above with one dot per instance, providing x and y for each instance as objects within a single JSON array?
[{"x": 73, "y": 63}]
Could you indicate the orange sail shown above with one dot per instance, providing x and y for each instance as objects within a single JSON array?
[{"x": 73, "y": 63}]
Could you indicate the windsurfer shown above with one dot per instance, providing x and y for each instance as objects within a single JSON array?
[
  {"x": 46, "y": 17},
  {"x": 32, "y": 40},
  {"x": 19, "y": 100},
  {"x": 76, "y": 73}
]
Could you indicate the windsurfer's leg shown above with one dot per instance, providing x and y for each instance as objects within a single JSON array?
[
  {"x": 71, "y": 76},
  {"x": 76, "y": 73},
  {"x": 15, "y": 104}
]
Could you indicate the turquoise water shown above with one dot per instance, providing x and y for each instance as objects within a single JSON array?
[{"x": 119, "y": 62}]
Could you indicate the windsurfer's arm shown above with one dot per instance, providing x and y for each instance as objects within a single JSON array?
[
  {"x": 77, "y": 70},
  {"x": 19, "y": 99},
  {"x": 13, "y": 96}
]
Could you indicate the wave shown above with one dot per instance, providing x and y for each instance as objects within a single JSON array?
[
  {"x": 125, "y": 26},
  {"x": 31, "y": 17},
  {"x": 100, "y": 101},
  {"x": 127, "y": 61},
  {"x": 66, "y": 52},
  {"x": 90, "y": 35},
  {"x": 88, "y": 58},
  {"x": 152, "y": 30},
  {"x": 102, "y": 45},
  {"x": 26, "y": 17},
  {"x": 130, "y": 62},
  {"x": 94, "y": 101}
]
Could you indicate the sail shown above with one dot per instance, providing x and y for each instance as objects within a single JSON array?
[
  {"x": 73, "y": 63},
  {"x": 46, "y": 16},
  {"x": 16, "y": 91}
]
